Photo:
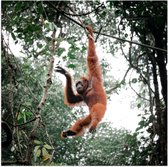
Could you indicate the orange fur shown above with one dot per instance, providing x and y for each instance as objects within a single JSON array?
[{"x": 95, "y": 97}]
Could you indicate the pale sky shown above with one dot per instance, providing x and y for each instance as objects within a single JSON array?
[{"x": 119, "y": 110}]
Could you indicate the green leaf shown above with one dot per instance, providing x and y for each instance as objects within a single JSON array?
[
  {"x": 24, "y": 116},
  {"x": 36, "y": 149},
  {"x": 28, "y": 114},
  {"x": 48, "y": 147},
  {"x": 60, "y": 51},
  {"x": 139, "y": 105},
  {"x": 27, "y": 104},
  {"x": 13, "y": 35},
  {"x": 18, "y": 6},
  {"x": 137, "y": 129},
  {"x": 37, "y": 142},
  {"x": 141, "y": 123},
  {"x": 38, "y": 153},
  {"x": 12, "y": 149},
  {"x": 21, "y": 116},
  {"x": 71, "y": 55},
  {"x": 83, "y": 49},
  {"x": 51, "y": 27},
  {"x": 44, "y": 151},
  {"x": 71, "y": 66},
  {"x": 55, "y": 26}
]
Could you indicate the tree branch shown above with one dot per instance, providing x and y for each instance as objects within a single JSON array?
[
  {"x": 111, "y": 36},
  {"x": 133, "y": 42},
  {"x": 16, "y": 125},
  {"x": 118, "y": 85},
  {"x": 136, "y": 91},
  {"x": 18, "y": 67},
  {"x": 42, "y": 102},
  {"x": 98, "y": 33},
  {"x": 82, "y": 14},
  {"x": 61, "y": 12}
]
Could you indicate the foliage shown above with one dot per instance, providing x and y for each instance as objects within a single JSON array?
[{"x": 30, "y": 25}]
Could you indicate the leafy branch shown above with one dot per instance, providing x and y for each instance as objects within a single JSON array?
[
  {"x": 121, "y": 82},
  {"x": 111, "y": 36},
  {"x": 83, "y": 14},
  {"x": 41, "y": 104}
]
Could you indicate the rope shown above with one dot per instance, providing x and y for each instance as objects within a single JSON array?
[
  {"x": 133, "y": 42},
  {"x": 110, "y": 36}
]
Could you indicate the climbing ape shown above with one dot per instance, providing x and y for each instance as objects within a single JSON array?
[{"x": 89, "y": 89}]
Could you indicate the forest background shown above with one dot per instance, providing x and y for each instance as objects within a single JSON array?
[{"x": 131, "y": 37}]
